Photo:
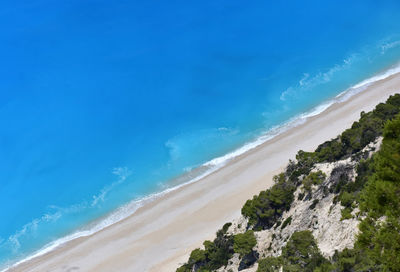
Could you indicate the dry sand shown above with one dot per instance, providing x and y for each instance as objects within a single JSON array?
[{"x": 160, "y": 235}]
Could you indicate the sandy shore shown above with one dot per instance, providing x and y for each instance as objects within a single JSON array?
[{"x": 160, "y": 235}]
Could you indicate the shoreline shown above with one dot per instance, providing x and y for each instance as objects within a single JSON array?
[{"x": 231, "y": 188}]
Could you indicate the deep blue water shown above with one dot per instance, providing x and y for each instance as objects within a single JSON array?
[{"x": 102, "y": 102}]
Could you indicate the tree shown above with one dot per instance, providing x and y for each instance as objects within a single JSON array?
[
  {"x": 301, "y": 253},
  {"x": 243, "y": 243}
]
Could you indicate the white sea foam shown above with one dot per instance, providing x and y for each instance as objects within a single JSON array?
[
  {"x": 310, "y": 81},
  {"x": 393, "y": 70},
  {"x": 386, "y": 46},
  {"x": 210, "y": 166},
  {"x": 122, "y": 173}
]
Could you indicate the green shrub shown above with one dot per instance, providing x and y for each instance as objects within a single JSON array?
[
  {"x": 198, "y": 255},
  {"x": 269, "y": 264},
  {"x": 226, "y": 227},
  {"x": 264, "y": 210},
  {"x": 286, "y": 222},
  {"x": 314, "y": 178},
  {"x": 346, "y": 214},
  {"x": 353, "y": 260},
  {"x": 349, "y": 192},
  {"x": 215, "y": 255},
  {"x": 346, "y": 199},
  {"x": 243, "y": 243},
  {"x": 329, "y": 151},
  {"x": 301, "y": 253},
  {"x": 305, "y": 162},
  {"x": 183, "y": 269}
]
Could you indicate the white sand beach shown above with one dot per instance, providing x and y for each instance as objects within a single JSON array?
[{"x": 160, "y": 235}]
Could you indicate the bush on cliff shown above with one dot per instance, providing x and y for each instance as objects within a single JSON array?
[
  {"x": 269, "y": 264},
  {"x": 264, "y": 210},
  {"x": 243, "y": 243},
  {"x": 314, "y": 178}
]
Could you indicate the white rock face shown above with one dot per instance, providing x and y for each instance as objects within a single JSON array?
[
  {"x": 324, "y": 222},
  {"x": 238, "y": 225}
]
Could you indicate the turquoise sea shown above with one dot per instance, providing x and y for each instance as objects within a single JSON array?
[{"x": 104, "y": 104}]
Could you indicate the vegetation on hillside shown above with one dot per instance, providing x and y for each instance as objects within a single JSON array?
[
  {"x": 380, "y": 201},
  {"x": 264, "y": 210},
  {"x": 378, "y": 245},
  {"x": 314, "y": 178},
  {"x": 243, "y": 243},
  {"x": 360, "y": 134}
]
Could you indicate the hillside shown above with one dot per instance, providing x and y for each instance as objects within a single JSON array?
[{"x": 334, "y": 209}]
